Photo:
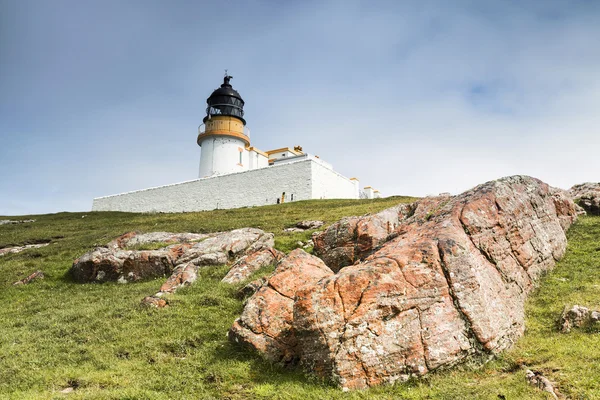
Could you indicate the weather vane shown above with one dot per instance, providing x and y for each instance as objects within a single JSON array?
[{"x": 227, "y": 78}]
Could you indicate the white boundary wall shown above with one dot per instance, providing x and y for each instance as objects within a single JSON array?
[{"x": 305, "y": 179}]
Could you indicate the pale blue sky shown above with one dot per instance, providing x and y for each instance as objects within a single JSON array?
[{"x": 412, "y": 97}]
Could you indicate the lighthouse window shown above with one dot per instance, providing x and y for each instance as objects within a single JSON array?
[{"x": 240, "y": 157}]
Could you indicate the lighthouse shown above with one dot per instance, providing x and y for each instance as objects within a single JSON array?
[
  {"x": 223, "y": 136},
  {"x": 234, "y": 174}
]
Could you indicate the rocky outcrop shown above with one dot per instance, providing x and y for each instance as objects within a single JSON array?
[
  {"x": 587, "y": 195},
  {"x": 419, "y": 286},
  {"x": 266, "y": 322},
  {"x": 248, "y": 248},
  {"x": 115, "y": 263},
  {"x": 133, "y": 239},
  {"x": 583, "y": 189}
]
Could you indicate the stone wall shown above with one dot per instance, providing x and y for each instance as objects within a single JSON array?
[{"x": 305, "y": 179}]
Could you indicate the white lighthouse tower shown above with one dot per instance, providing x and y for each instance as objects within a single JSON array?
[{"x": 223, "y": 136}]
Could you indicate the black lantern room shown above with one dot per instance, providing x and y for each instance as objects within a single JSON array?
[{"x": 225, "y": 101}]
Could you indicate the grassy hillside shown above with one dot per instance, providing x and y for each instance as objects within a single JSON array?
[{"x": 56, "y": 334}]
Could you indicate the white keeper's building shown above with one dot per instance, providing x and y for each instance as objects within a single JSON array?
[{"x": 234, "y": 174}]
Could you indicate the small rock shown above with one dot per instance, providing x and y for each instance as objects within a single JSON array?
[
  {"x": 576, "y": 317},
  {"x": 309, "y": 224},
  {"x": 30, "y": 278},
  {"x": 595, "y": 317},
  {"x": 541, "y": 382},
  {"x": 308, "y": 244},
  {"x": 293, "y": 230},
  {"x": 152, "y": 301},
  {"x": 67, "y": 390}
]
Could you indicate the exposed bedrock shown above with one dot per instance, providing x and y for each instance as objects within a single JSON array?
[
  {"x": 117, "y": 261},
  {"x": 419, "y": 286}
]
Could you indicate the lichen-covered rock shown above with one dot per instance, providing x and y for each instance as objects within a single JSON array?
[
  {"x": 133, "y": 239},
  {"x": 115, "y": 263},
  {"x": 447, "y": 279},
  {"x": 266, "y": 322},
  {"x": 248, "y": 248},
  {"x": 251, "y": 263},
  {"x": 101, "y": 264},
  {"x": 574, "y": 317},
  {"x": 583, "y": 189},
  {"x": 226, "y": 246},
  {"x": 309, "y": 224},
  {"x": 148, "y": 264},
  {"x": 154, "y": 301}
]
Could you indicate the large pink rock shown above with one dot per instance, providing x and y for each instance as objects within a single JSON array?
[{"x": 449, "y": 280}]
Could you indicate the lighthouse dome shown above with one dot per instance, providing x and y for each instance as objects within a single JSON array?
[{"x": 225, "y": 101}]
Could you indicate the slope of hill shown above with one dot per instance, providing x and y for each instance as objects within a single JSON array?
[{"x": 95, "y": 338}]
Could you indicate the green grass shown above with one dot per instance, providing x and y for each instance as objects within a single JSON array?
[{"x": 55, "y": 333}]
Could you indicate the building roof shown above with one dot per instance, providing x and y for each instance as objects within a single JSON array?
[
  {"x": 225, "y": 101},
  {"x": 297, "y": 153}
]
